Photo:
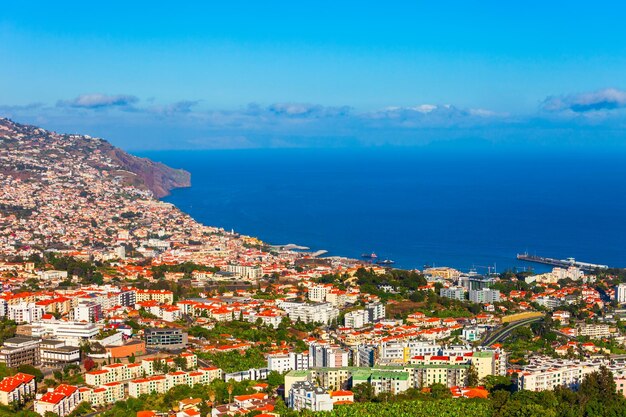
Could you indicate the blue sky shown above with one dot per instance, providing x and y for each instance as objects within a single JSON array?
[{"x": 281, "y": 74}]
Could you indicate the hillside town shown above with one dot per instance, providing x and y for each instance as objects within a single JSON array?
[{"x": 114, "y": 302}]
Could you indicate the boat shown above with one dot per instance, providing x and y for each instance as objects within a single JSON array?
[
  {"x": 369, "y": 255},
  {"x": 386, "y": 262}
]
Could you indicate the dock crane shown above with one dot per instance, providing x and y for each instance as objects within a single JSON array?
[{"x": 488, "y": 268}]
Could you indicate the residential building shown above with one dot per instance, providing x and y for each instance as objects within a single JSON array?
[
  {"x": 365, "y": 356},
  {"x": 620, "y": 293},
  {"x": 283, "y": 362},
  {"x": 540, "y": 378},
  {"x": 484, "y": 296},
  {"x": 456, "y": 293},
  {"x": 356, "y": 319},
  {"x": 166, "y": 338},
  {"x": 25, "y": 312},
  {"x": 21, "y": 350},
  {"x": 305, "y": 395},
  {"x": 61, "y": 401},
  {"x": 89, "y": 312},
  {"x": 376, "y": 311},
  {"x": 322, "y": 355},
  {"x": 56, "y": 353},
  {"x": 252, "y": 273},
  {"x": 310, "y": 313},
  {"x": 15, "y": 388}
]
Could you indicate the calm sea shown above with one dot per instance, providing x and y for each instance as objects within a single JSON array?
[{"x": 415, "y": 206}]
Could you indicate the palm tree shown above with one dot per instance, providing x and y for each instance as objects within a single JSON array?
[{"x": 230, "y": 392}]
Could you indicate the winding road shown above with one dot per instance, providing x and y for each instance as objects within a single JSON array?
[{"x": 504, "y": 331}]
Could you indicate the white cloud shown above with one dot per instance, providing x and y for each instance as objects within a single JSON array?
[
  {"x": 602, "y": 100},
  {"x": 95, "y": 101}
]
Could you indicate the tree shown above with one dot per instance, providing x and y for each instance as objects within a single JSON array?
[
  {"x": 440, "y": 391},
  {"x": 88, "y": 363},
  {"x": 363, "y": 392},
  {"x": 180, "y": 363},
  {"x": 275, "y": 379},
  {"x": 31, "y": 370},
  {"x": 598, "y": 395},
  {"x": 230, "y": 392},
  {"x": 472, "y": 376}
]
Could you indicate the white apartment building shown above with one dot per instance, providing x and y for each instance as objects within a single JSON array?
[
  {"x": 73, "y": 333},
  {"x": 327, "y": 356},
  {"x": 53, "y": 275},
  {"x": 246, "y": 272},
  {"x": 620, "y": 293},
  {"x": 455, "y": 293},
  {"x": 163, "y": 383},
  {"x": 15, "y": 388},
  {"x": 62, "y": 400},
  {"x": 106, "y": 394},
  {"x": 401, "y": 352},
  {"x": 283, "y": 362},
  {"x": 376, "y": 311},
  {"x": 90, "y": 312},
  {"x": 594, "y": 331},
  {"x": 318, "y": 292},
  {"x": 356, "y": 319},
  {"x": 550, "y": 376},
  {"x": 484, "y": 296},
  {"x": 304, "y": 395},
  {"x": 25, "y": 312},
  {"x": 310, "y": 313}
]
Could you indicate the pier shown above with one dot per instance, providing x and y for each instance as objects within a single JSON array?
[{"x": 563, "y": 263}]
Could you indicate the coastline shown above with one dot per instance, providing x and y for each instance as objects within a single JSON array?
[{"x": 352, "y": 206}]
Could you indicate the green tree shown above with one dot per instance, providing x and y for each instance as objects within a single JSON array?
[
  {"x": 472, "y": 376},
  {"x": 363, "y": 392},
  {"x": 440, "y": 391},
  {"x": 275, "y": 379},
  {"x": 31, "y": 370}
]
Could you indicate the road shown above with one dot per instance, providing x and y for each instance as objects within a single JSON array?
[{"x": 503, "y": 332}]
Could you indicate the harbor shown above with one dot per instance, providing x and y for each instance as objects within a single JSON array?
[{"x": 563, "y": 263}]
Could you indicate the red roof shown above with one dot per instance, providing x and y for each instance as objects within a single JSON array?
[
  {"x": 52, "y": 397},
  {"x": 341, "y": 393}
]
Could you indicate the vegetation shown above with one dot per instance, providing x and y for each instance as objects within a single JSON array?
[
  {"x": 446, "y": 407},
  {"x": 187, "y": 268},
  {"x": 31, "y": 370},
  {"x": 216, "y": 392},
  {"x": 7, "y": 330},
  {"x": 287, "y": 331},
  {"x": 234, "y": 361},
  {"x": 83, "y": 269},
  {"x": 596, "y": 397}
]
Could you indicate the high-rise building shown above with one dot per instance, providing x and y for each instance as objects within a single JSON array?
[
  {"x": 456, "y": 293},
  {"x": 484, "y": 296},
  {"x": 620, "y": 293}
]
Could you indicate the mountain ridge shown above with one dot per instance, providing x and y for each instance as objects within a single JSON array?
[{"x": 157, "y": 177}]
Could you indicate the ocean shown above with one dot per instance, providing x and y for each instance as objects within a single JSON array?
[{"x": 416, "y": 206}]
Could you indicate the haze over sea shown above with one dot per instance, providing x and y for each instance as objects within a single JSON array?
[{"x": 417, "y": 206}]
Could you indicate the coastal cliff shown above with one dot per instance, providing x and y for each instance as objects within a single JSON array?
[
  {"x": 132, "y": 170},
  {"x": 157, "y": 177}
]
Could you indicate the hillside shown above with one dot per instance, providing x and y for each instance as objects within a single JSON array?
[{"x": 51, "y": 148}]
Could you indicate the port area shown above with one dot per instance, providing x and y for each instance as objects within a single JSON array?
[{"x": 563, "y": 263}]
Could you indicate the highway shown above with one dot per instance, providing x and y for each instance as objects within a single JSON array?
[{"x": 504, "y": 331}]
